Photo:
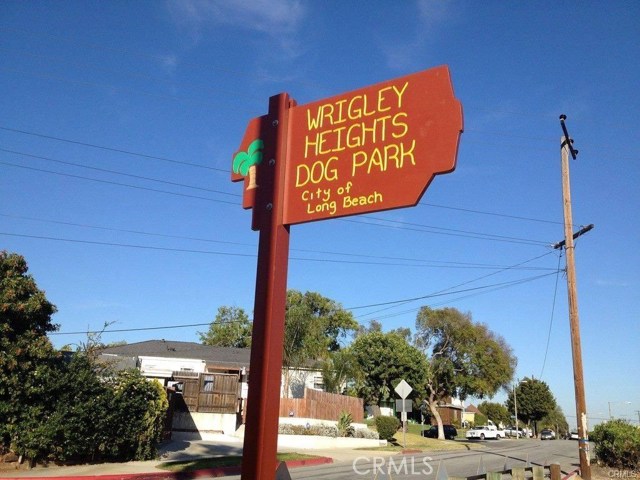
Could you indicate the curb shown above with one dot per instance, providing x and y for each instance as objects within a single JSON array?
[{"x": 208, "y": 472}]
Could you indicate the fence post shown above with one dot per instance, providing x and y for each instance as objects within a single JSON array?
[
  {"x": 556, "y": 473},
  {"x": 538, "y": 472},
  {"x": 517, "y": 473}
]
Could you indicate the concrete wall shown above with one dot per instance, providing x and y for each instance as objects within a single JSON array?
[{"x": 198, "y": 424}]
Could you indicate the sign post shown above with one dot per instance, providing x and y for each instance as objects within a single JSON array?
[
  {"x": 404, "y": 389},
  {"x": 372, "y": 149}
]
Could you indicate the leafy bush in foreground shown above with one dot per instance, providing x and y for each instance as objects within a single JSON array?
[
  {"x": 387, "y": 427},
  {"x": 617, "y": 444}
]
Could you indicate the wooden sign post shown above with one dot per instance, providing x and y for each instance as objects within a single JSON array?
[{"x": 372, "y": 149}]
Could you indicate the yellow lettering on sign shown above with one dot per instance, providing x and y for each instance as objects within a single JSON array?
[
  {"x": 317, "y": 172},
  {"x": 372, "y": 199},
  {"x": 379, "y": 158}
]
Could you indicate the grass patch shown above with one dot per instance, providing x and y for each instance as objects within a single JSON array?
[{"x": 227, "y": 461}]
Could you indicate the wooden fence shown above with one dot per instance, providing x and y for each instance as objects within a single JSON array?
[
  {"x": 322, "y": 406},
  {"x": 209, "y": 392},
  {"x": 536, "y": 472}
]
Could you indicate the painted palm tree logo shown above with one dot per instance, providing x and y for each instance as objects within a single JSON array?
[{"x": 245, "y": 162}]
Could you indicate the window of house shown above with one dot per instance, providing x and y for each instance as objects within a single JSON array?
[
  {"x": 318, "y": 383},
  {"x": 207, "y": 383}
]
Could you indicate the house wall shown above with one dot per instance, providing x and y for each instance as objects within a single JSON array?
[
  {"x": 294, "y": 382},
  {"x": 158, "y": 367}
]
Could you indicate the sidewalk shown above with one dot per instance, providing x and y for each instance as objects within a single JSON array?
[{"x": 177, "y": 450}]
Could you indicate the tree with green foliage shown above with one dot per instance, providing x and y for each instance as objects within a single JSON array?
[
  {"x": 340, "y": 371},
  {"x": 68, "y": 407},
  {"x": 231, "y": 328},
  {"x": 465, "y": 358},
  {"x": 384, "y": 359},
  {"x": 496, "y": 412},
  {"x": 556, "y": 421},
  {"x": 314, "y": 327},
  {"x": 27, "y": 357},
  {"x": 374, "y": 326},
  {"x": 535, "y": 401}
]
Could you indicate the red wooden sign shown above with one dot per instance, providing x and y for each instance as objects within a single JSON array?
[{"x": 372, "y": 149}]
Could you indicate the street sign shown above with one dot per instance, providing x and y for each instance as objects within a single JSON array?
[
  {"x": 404, "y": 405},
  {"x": 371, "y": 149},
  {"x": 403, "y": 389}
]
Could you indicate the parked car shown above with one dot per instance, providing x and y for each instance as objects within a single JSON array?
[
  {"x": 547, "y": 434},
  {"x": 574, "y": 436},
  {"x": 482, "y": 432},
  {"x": 513, "y": 432},
  {"x": 450, "y": 432}
]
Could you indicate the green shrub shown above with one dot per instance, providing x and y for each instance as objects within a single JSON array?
[
  {"x": 617, "y": 444},
  {"x": 344, "y": 425},
  {"x": 84, "y": 417},
  {"x": 387, "y": 427}
]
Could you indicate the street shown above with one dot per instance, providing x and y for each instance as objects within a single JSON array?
[{"x": 498, "y": 455}]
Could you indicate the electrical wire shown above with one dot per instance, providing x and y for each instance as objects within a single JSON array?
[
  {"x": 226, "y": 171},
  {"x": 445, "y": 231},
  {"x": 481, "y": 212},
  {"x": 113, "y": 149},
  {"x": 432, "y": 263},
  {"x": 115, "y": 172},
  {"x": 231, "y": 254},
  {"x": 408, "y": 300},
  {"x": 109, "y": 182},
  {"x": 140, "y": 329},
  {"x": 553, "y": 308}
]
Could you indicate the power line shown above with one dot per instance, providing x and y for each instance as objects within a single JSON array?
[
  {"x": 425, "y": 262},
  {"x": 553, "y": 308},
  {"x": 210, "y": 252},
  {"x": 109, "y": 182},
  {"x": 459, "y": 284},
  {"x": 453, "y": 300},
  {"x": 115, "y": 172},
  {"x": 440, "y": 294},
  {"x": 155, "y": 157},
  {"x": 448, "y": 231},
  {"x": 481, "y": 212},
  {"x": 113, "y": 149},
  {"x": 141, "y": 329}
]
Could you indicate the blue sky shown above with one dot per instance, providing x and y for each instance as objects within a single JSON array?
[{"x": 166, "y": 89}]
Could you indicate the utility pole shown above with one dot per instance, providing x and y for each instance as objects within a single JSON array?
[
  {"x": 515, "y": 407},
  {"x": 566, "y": 147}
]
